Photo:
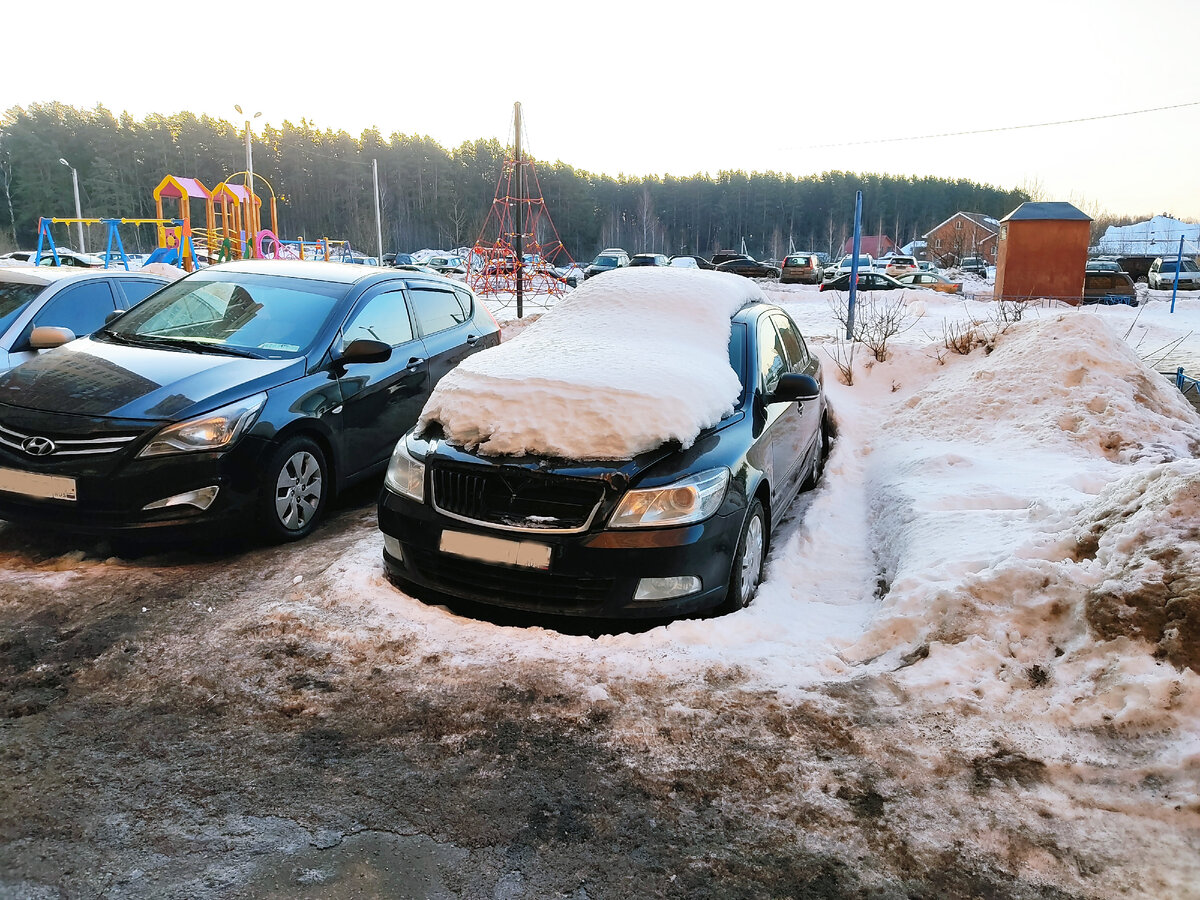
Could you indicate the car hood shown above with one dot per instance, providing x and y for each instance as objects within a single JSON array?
[
  {"x": 619, "y": 474},
  {"x": 97, "y": 378}
]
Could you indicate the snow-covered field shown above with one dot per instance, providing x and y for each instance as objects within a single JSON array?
[{"x": 990, "y": 607}]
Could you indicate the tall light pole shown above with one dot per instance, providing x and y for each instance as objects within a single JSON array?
[
  {"x": 251, "y": 218},
  {"x": 78, "y": 210}
]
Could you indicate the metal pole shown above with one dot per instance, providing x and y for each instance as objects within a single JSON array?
[
  {"x": 250, "y": 201},
  {"x": 854, "y": 263},
  {"x": 1178, "y": 271},
  {"x": 378, "y": 220},
  {"x": 518, "y": 242},
  {"x": 78, "y": 210}
]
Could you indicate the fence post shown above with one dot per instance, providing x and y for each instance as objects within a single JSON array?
[{"x": 1179, "y": 378}]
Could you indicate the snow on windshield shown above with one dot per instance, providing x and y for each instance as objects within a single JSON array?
[{"x": 632, "y": 359}]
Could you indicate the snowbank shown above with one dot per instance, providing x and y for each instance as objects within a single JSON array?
[{"x": 626, "y": 363}]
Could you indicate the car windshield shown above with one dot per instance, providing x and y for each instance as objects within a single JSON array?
[
  {"x": 13, "y": 300},
  {"x": 1168, "y": 265},
  {"x": 255, "y": 315},
  {"x": 605, "y": 261}
]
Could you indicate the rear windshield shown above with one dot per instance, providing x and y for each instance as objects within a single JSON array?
[
  {"x": 605, "y": 261},
  {"x": 13, "y": 300},
  {"x": 796, "y": 261}
]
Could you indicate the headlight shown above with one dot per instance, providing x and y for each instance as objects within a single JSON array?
[
  {"x": 213, "y": 431},
  {"x": 405, "y": 475},
  {"x": 690, "y": 499}
]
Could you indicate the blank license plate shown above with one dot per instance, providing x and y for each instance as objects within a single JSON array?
[
  {"x": 526, "y": 554},
  {"x": 31, "y": 484}
]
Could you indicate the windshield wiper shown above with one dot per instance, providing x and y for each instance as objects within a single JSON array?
[{"x": 184, "y": 344}]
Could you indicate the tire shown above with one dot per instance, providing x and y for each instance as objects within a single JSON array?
[
  {"x": 748, "y": 560},
  {"x": 295, "y": 489},
  {"x": 818, "y": 467}
]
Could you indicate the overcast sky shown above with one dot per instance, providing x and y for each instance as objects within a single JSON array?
[{"x": 679, "y": 88}]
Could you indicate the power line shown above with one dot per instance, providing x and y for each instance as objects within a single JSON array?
[{"x": 946, "y": 134}]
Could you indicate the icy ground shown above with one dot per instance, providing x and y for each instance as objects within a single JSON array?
[{"x": 970, "y": 672}]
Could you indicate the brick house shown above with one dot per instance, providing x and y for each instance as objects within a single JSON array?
[
  {"x": 876, "y": 245},
  {"x": 964, "y": 234}
]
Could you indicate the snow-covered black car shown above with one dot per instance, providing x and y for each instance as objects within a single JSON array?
[{"x": 555, "y": 483}]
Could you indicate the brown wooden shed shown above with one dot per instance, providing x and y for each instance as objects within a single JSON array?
[{"x": 1043, "y": 252}]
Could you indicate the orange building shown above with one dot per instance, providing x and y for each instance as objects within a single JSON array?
[{"x": 1043, "y": 252}]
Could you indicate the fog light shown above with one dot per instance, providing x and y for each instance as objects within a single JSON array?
[
  {"x": 201, "y": 499},
  {"x": 392, "y": 547},
  {"x": 666, "y": 588}
]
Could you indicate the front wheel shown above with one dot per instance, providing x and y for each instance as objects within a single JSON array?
[
  {"x": 295, "y": 489},
  {"x": 748, "y": 560}
]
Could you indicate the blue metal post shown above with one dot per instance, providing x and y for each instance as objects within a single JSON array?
[
  {"x": 1179, "y": 378},
  {"x": 854, "y": 263},
  {"x": 1178, "y": 270}
]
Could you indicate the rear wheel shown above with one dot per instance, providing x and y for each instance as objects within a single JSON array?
[
  {"x": 295, "y": 489},
  {"x": 748, "y": 560}
]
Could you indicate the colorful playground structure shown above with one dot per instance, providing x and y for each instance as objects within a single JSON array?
[{"x": 232, "y": 227}]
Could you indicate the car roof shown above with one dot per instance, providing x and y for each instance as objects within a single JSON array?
[
  {"x": 342, "y": 273},
  {"x": 48, "y": 274}
]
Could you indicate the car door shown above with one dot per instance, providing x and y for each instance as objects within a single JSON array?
[
  {"x": 782, "y": 435},
  {"x": 807, "y": 424},
  {"x": 380, "y": 401},
  {"x": 81, "y": 306},
  {"x": 444, "y": 322}
]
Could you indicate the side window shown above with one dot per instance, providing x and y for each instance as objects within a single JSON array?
[
  {"x": 81, "y": 307},
  {"x": 465, "y": 301},
  {"x": 384, "y": 318},
  {"x": 772, "y": 361},
  {"x": 793, "y": 344},
  {"x": 436, "y": 310},
  {"x": 137, "y": 290}
]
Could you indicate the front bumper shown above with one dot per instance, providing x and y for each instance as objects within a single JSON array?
[
  {"x": 593, "y": 574},
  {"x": 111, "y": 495}
]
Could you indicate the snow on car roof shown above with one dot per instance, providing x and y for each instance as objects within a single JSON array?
[{"x": 632, "y": 359}]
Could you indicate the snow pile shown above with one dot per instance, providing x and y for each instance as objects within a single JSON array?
[
  {"x": 1069, "y": 379},
  {"x": 1157, "y": 237},
  {"x": 626, "y": 363}
]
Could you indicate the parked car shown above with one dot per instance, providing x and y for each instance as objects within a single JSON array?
[
  {"x": 900, "y": 265},
  {"x": 70, "y": 259},
  {"x": 867, "y": 281},
  {"x": 700, "y": 262},
  {"x": 670, "y": 532},
  {"x": 26, "y": 256},
  {"x": 866, "y": 263},
  {"x": 401, "y": 259},
  {"x": 606, "y": 262},
  {"x": 930, "y": 281},
  {"x": 73, "y": 302},
  {"x": 749, "y": 268},
  {"x": 801, "y": 268},
  {"x": 246, "y": 394},
  {"x": 1109, "y": 288},
  {"x": 1162, "y": 275},
  {"x": 447, "y": 265},
  {"x": 649, "y": 259},
  {"x": 684, "y": 262},
  {"x": 976, "y": 265},
  {"x": 926, "y": 265},
  {"x": 724, "y": 256}
]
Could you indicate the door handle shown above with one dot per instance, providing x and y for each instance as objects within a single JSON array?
[
  {"x": 472, "y": 339},
  {"x": 415, "y": 362}
]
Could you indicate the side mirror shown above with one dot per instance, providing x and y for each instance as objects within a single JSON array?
[
  {"x": 112, "y": 315},
  {"x": 47, "y": 337},
  {"x": 795, "y": 387},
  {"x": 365, "y": 350}
]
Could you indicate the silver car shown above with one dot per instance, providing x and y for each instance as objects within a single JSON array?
[{"x": 77, "y": 300}]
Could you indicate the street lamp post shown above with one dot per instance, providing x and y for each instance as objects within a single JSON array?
[
  {"x": 78, "y": 210},
  {"x": 252, "y": 223}
]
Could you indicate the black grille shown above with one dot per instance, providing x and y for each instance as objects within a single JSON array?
[
  {"x": 467, "y": 578},
  {"x": 516, "y": 498}
]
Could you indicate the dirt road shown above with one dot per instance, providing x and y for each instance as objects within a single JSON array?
[{"x": 197, "y": 725}]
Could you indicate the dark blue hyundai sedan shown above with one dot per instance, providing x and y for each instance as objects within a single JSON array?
[
  {"x": 244, "y": 395},
  {"x": 672, "y": 531}
]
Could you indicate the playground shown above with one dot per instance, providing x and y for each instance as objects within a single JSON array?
[{"x": 232, "y": 227}]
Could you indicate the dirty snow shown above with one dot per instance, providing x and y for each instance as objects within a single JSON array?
[{"x": 626, "y": 363}]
